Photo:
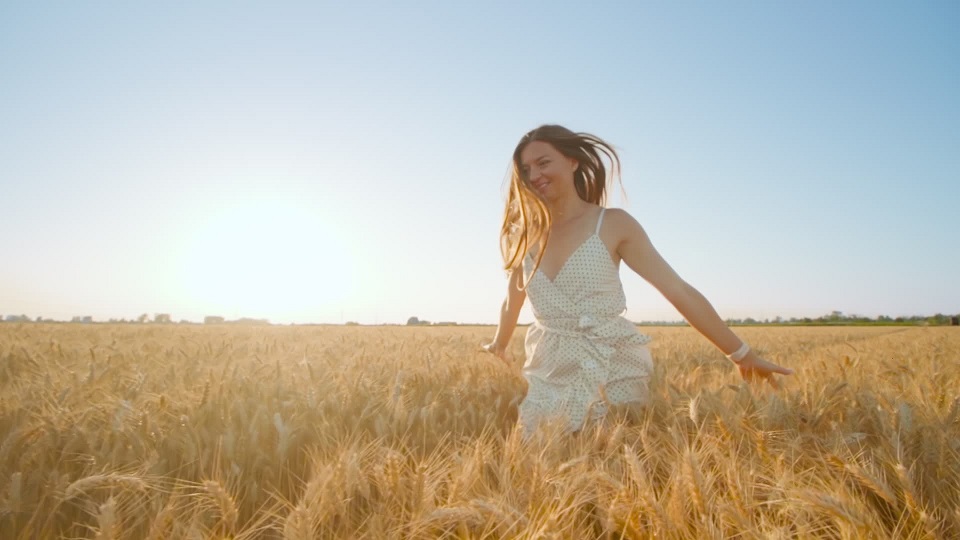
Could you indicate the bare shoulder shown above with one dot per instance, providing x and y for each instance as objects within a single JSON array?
[
  {"x": 621, "y": 223},
  {"x": 618, "y": 216}
]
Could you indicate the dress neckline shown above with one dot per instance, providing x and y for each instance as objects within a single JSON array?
[
  {"x": 571, "y": 256},
  {"x": 596, "y": 233}
]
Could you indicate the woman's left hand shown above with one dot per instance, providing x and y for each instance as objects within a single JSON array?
[{"x": 753, "y": 368}]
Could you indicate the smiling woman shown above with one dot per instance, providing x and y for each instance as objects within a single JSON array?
[{"x": 277, "y": 260}]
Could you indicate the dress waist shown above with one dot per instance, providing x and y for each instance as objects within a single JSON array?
[
  {"x": 577, "y": 326},
  {"x": 594, "y": 327}
]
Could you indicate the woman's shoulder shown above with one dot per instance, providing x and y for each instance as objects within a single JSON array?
[
  {"x": 618, "y": 217},
  {"x": 620, "y": 225}
]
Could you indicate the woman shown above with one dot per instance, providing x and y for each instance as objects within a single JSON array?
[{"x": 563, "y": 250}]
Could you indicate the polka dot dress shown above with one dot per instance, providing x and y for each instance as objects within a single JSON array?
[{"x": 581, "y": 354}]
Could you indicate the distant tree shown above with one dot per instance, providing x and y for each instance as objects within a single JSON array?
[
  {"x": 143, "y": 318},
  {"x": 413, "y": 321},
  {"x": 212, "y": 319},
  {"x": 162, "y": 318}
]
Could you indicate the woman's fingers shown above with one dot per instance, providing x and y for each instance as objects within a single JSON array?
[
  {"x": 769, "y": 367},
  {"x": 505, "y": 355},
  {"x": 782, "y": 370},
  {"x": 761, "y": 369}
]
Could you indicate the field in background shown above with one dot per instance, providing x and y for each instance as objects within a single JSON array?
[{"x": 160, "y": 431}]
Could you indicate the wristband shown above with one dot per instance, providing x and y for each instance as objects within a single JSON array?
[{"x": 739, "y": 354}]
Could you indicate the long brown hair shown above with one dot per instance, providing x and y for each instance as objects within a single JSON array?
[{"x": 526, "y": 219}]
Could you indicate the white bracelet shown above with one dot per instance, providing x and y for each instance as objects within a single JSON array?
[{"x": 739, "y": 354}]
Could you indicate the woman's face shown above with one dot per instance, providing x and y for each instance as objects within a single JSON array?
[{"x": 546, "y": 170}]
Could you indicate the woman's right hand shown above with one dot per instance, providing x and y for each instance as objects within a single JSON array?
[{"x": 499, "y": 351}]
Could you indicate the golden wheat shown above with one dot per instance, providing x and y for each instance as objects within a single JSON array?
[{"x": 158, "y": 431}]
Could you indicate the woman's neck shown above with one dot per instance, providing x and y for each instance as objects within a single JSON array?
[{"x": 563, "y": 210}]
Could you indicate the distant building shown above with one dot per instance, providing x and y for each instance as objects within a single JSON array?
[{"x": 250, "y": 321}]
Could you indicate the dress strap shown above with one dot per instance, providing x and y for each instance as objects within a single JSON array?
[{"x": 600, "y": 221}]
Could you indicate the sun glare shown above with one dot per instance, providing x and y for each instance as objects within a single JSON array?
[{"x": 274, "y": 260}]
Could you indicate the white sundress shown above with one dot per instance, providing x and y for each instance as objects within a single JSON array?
[{"x": 581, "y": 353}]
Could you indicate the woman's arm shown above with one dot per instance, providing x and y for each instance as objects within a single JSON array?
[
  {"x": 636, "y": 250},
  {"x": 509, "y": 312}
]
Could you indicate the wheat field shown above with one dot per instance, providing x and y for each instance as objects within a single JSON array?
[{"x": 173, "y": 431}]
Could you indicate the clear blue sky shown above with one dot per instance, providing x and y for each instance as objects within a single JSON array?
[{"x": 325, "y": 162}]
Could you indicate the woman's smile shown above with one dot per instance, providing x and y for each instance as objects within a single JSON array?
[{"x": 541, "y": 184}]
